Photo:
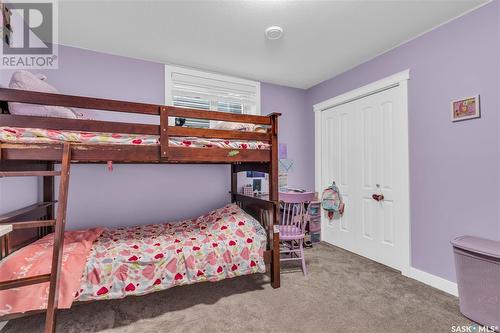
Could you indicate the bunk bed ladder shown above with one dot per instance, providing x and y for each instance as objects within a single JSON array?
[{"x": 59, "y": 223}]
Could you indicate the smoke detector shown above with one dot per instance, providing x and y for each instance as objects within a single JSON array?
[{"x": 274, "y": 32}]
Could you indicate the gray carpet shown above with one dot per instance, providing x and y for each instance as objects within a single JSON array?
[{"x": 342, "y": 293}]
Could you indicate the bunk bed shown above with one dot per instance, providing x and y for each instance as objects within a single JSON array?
[{"x": 22, "y": 155}]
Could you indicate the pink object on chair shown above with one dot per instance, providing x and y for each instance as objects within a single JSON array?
[{"x": 293, "y": 224}]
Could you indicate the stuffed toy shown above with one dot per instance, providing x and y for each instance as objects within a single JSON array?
[{"x": 25, "y": 80}]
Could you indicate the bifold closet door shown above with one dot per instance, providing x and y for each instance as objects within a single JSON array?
[
  {"x": 360, "y": 153},
  {"x": 339, "y": 165}
]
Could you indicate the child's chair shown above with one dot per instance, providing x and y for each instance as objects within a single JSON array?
[{"x": 293, "y": 224}]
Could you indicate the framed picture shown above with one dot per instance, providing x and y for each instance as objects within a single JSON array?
[
  {"x": 465, "y": 108},
  {"x": 257, "y": 185}
]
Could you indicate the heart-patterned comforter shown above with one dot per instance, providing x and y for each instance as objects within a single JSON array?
[
  {"x": 39, "y": 135},
  {"x": 134, "y": 261}
]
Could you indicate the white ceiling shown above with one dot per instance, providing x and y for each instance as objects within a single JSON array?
[{"x": 322, "y": 38}]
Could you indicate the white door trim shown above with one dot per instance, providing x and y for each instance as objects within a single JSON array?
[
  {"x": 391, "y": 81},
  {"x": 399, "y": 79}
]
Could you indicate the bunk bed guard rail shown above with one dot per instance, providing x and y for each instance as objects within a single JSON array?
[{"x": 159, "y": 153}]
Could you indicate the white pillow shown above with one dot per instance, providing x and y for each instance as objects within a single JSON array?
[
  {"x": 36, "y": 82},
  {"x": 244, "y": 127}
]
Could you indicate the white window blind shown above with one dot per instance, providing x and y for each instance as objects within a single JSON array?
[{"x": 201, "y": 90}]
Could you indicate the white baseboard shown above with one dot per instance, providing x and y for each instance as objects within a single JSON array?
[{"x": 432, "y": 280}]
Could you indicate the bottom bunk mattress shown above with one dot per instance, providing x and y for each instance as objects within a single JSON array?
[
  {"x": 135, "y": 261},
  {"x": 224, "y": 243},
  {"x": 37, "y": 135}
]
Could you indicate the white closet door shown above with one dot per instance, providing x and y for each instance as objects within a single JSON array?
[
  {"x": 338, "y": 164},
  {"x": 361, "y": 154}
]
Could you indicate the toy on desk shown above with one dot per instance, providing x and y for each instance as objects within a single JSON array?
[{"x": 331, "y": 201}]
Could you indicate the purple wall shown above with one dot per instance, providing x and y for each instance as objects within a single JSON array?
[
  {"x": 296, "y": 130},
  {"x": 138, "y": 194},
  {"x": 454, "y": 167}
]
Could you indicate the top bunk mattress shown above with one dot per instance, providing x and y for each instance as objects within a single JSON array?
[{"x": 37, "y": 135}]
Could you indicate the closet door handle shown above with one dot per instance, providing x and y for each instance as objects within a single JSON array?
[{"x": 378, "y": 197}]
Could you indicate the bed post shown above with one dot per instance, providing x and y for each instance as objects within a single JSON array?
[
  {"x": 234, "y": 182},
  {"x": 273, "y": 169},
  {"x": 48, "y": 193},
  {"x": 163, "y": 133},
  {"x": 55, "y": 274},
  {"x": 273, "y": 196}
]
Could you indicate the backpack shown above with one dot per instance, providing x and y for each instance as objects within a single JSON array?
[{"x": 331, "y": 201}]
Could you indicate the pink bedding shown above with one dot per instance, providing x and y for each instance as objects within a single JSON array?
[
  {"x": 37, "y": 135},
  {"x": 114, "y": 263},
  {"x": 135, "y": 261},
  {"x": 36, "y": 259}
]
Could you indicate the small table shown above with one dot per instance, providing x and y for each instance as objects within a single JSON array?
[{"x": 5, "y": 229}]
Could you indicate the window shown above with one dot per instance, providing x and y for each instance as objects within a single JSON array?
[{"x": 207, "y": 91}]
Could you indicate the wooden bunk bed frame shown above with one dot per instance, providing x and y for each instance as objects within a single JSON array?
[{"x": 37, "y": 159}]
